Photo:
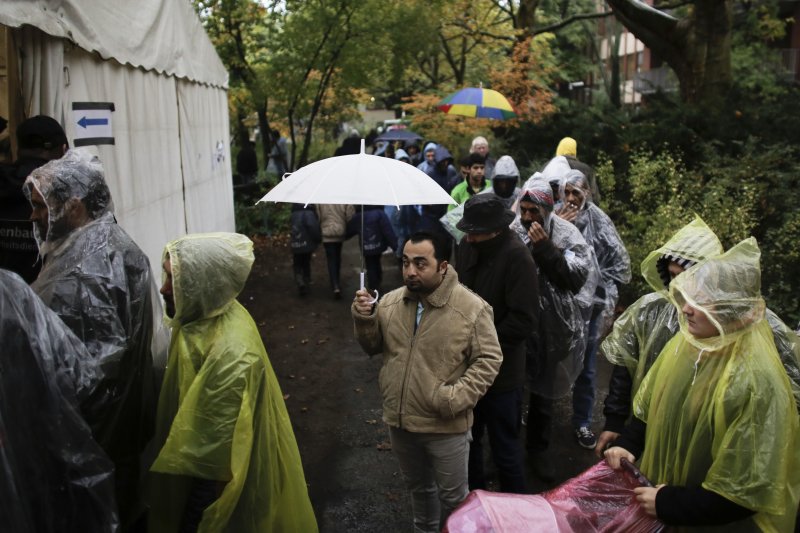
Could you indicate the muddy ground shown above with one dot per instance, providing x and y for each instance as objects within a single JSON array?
[{"x": 331, "y": 392}]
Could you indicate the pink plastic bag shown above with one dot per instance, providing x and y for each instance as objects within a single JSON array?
[{"x": 600, "y": 500}]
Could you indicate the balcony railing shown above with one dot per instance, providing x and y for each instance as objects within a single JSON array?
[
  {"x": 789, "y": 63},
  {"x": 650, "y": 81}
]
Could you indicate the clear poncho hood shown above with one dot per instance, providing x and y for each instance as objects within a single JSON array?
[
  {"x": 216, "y": 265},
  {"x": 78, "y": 176},
  {"x": 695, "y": 242},
  {"x": 726, "y": 289},
  {"x": 720, "y": 411}
]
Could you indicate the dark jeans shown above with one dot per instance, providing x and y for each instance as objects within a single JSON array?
[
  {"x": 583, "y": 393},
  {"x": 301, "y": 264},
  {"x": 374, "y": 271},
  {"x": 539, "y": 423},
  {"x": 333, "y": 253},
  {"x": 499, "y": 414}
]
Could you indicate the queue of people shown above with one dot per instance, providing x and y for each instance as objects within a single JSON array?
[
  {"x": 704, "y": 391},
  {"x": 90, "y": 438},
  {"x": 705, "y": 388}
]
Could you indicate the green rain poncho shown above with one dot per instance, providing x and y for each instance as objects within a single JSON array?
[
  {"x": 221, "y": 414},
  {"x": 641, "y": 332},
  {"x": 644, "y": 328},
  {"x": 719, "y": 410}
]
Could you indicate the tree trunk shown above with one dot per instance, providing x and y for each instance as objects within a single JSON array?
[
  {"x": 616, "y": 80},
  {"x": 697, "y": 47},
  {"x": 264, "y": 128}
]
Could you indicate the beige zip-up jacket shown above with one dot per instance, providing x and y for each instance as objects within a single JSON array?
[{"x": 432, "y": 378}]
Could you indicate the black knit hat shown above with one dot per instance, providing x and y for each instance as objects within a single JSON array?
[{"x": 485, "y": 213}]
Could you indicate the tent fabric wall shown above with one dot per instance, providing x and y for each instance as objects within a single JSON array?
[
  {"x": 143, "y": 168},
  {"x": 205, "y": 145},
  {"x": 41, "y": 66},
  {"x": 161, "y": 35},
  {"x": 169, "y": 171}
]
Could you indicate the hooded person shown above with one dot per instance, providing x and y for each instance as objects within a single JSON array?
[
  {"x": 228, "y": 458},
  {"x": 505, "y": 180},
  {"x": 55, "y": 477},
  {"x": 98, "y": 281},
  {"x": 567, "y": 277},
  {"x": 428, "y": 162},
  {"x": 641, "y": 332},
  {"x": 615, "y": 270},
  {"x": 715, "y": 425},
  {"x": 566, "y": 159}
]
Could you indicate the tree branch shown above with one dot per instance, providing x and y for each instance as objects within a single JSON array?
[{"x": 567, "y": 21}]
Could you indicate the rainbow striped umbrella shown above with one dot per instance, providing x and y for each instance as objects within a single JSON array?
[{"x": 477, "y": 102}]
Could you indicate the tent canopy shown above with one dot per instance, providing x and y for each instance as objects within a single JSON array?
[{"x": 161, "y": 35}]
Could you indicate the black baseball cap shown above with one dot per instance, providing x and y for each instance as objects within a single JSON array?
[{"x": 41, "y": 131}]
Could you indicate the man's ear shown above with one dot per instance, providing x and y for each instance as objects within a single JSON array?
[{"x": 443, "y": 267}]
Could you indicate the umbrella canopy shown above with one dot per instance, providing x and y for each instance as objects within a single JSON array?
[
  {"x": 359, "y": 179},
  {"x": 399, "y": 135},
  {"x": 477, "y": 102}
]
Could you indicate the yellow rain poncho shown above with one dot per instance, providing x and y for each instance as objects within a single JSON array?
[
  {"x": 644, "y": 328},
  {"x": 221, "y": 414},
  {"x": 719, "y": 410}
]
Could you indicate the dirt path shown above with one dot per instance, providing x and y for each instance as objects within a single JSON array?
[{"x": 332, "y": 394}]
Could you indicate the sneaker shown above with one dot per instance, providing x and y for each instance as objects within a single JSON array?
[
  {"x": 586, "y": 437},
  {"x": 337, "y": 294}
]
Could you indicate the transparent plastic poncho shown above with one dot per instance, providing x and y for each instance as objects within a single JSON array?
[
  {"x": 99, "y": 282},
  {"x": 561, "y": 339},
  {"x": 719, "y": 410},
  {"x": 55, "y": 477},
  {"x": 221, "y": 414},
  {"x": 601, "y": 234},
  {"x": 640, "y": 333}
]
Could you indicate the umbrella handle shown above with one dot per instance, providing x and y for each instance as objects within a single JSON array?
[{"x": 377, "y": 294}]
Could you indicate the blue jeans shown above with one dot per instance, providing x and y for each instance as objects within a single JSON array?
[
  {"x": 434, "y": 466},
  {"x": 499, "y": 414},
  {"x": 584, "y": 390}
]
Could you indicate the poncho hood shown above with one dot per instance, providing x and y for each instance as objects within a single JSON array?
[
  {"x": 78, "y": 176},
  {"x": 726, "y": 289},
  {"x": 694, "y": 242},
  {"x": 208, "y": 271}
]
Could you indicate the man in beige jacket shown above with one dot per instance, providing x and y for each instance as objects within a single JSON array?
[{"x": 440, "y": 355}]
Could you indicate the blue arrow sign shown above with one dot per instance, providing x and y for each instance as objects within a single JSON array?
[{"x": 84, "y": 122}]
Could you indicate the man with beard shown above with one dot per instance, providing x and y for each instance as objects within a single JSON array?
[
  {"x": 567, "y": 279},
  {"x": 499, "y": 268},
  {"x": 98, "y": 281},
  {"x": 440, "y": 355}
]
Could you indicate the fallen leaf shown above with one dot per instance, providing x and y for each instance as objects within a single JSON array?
[
  {"x": 357, "y": 390},
  {"x": 384, "y": 446},
  {"x": 291, "y": 327},
  {"x": 371, "y": 422},
  {"x": 291, "y": 376},
  {"x": 304, "y": 409},
  {"x": 304, "y": 341},
  {"x": 285, "y": 396},
  {"x": 322, "y": 341}
]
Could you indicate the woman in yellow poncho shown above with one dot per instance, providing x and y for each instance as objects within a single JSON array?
[
  {"x": 714, "y": 420},
  {"x": 229, "y": 461}
]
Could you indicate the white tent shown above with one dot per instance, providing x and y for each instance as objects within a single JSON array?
[{"x": 169, "y": 167}]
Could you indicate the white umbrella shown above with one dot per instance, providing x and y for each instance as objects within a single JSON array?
[{"x": 360, "y": 179}]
